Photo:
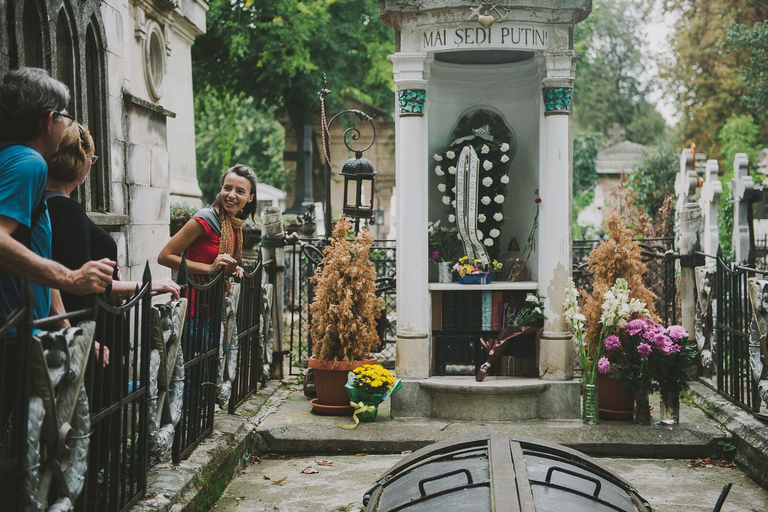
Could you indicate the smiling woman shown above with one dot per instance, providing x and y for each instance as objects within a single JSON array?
[{"x": 213, "y": 237}]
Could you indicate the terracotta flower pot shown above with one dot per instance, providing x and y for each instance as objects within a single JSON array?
[
  {"x": 330, "y": 379},
  {"x": 616, "y": 401}
]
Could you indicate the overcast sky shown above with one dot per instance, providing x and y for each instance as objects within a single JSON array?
[{"x": 658, "y": 31}]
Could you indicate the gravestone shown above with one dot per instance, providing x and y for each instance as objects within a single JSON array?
[
  {"x": 742, "y": 189},
  {"x": 709, "y": 197}
]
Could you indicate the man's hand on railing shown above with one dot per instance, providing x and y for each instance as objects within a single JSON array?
[
  {"x": 93, "y": 277},
  {"x": 97, "y": 351}
]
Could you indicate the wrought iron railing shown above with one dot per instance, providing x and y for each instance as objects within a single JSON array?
[
  {"x": 301, "y": 265},
  {"x": 251, "y": 356},
  {"x": 734, "y": 316}
]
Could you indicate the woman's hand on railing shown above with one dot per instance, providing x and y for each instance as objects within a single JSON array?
[
  {"x": 222, "y": 260},
  {"x": 239, "y": 272},
  {"x": 97, "y": 351},
  {"x": 166, "y": 285}
]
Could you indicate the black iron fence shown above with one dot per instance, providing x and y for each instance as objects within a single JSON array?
[
  {"x": 300, "y": 267},
  {"x": 76, "y": 404},
  {"x": 735, "y": 379},
  {"x": 659, "y": 279}
]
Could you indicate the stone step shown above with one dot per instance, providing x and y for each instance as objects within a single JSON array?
[{"x": 494, "y": 399}]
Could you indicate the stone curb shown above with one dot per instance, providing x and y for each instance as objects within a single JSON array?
[
  {"x": 198, "y": 482},
  {"x": 750, "y": 435}
]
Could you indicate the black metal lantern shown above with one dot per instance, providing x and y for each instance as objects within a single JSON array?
[{"x": 359, "y": 175}]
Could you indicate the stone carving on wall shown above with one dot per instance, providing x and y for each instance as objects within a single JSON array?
[
  {"x": 758, "y": 352},
  {"x": 59, "y": 421},
  {"x": 166, "y": 374},
  {"x": 705, "y": 315},
  {"x": 228, "y": 346}
]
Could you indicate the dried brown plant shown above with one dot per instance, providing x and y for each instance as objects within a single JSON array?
[
  {"x": 618, "y": 256},
  {"x": 345, "y": 308}
]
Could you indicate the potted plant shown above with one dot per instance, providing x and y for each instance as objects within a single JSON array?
[
  {"x": 344, "y": 313},
  {"x": 444, "y": 249},
  {"x": 475, "y": 271},
  {"x": 368, "y": 386},
  {"x": 180, "y": 215}
]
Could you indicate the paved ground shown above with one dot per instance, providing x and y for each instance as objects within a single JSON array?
[
  {"x": 336, "y": 479},
  {"x": 669, "y": 485}
]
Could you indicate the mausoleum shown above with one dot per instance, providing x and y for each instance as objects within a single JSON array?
[{"x": 484, "y": 92}]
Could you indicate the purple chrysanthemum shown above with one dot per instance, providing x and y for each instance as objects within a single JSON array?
[
  {"x": 660, "y": 339},
  {"x": 636, "y": 326},
  {"x": 603, "y": 365},
  {"x": 674, "y": 348},
  {"x": 433, "y": 255},
  {"x": 644, "y": 349},
  {"x": 677, "y": 332},
  {"x": 612, "y": 342}
]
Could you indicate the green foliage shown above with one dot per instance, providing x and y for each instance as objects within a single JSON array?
[
  {"x": 705, "y": 74},
  {"x": 739, "y": 134},
  {"x": 654, "y": 177},
  {"x": 613, "y": 59},
  {"x": 229, "y": 130},
  {"x": 754, "y": 74},
  {"x": 580, "y": 202},
  {"x": 585, "y": 148}
]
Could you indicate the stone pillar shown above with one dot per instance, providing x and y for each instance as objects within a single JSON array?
[
  {"x": 411, "y": 169},
  {"x": 555, "y": 178},
  {"x": 690, "y": 231},
  {"x": 708, "y": 200},
  {"x": 742, "y": 188}
]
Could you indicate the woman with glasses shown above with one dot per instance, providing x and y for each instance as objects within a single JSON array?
[{"x": 76, "y": 238}]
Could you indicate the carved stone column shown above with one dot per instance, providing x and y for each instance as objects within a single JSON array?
[
  {"x": 708, "y": 199},
  {"x": 411, "y": 169},
  {"x": 556, "y": 167},
  {"x": 742, "y": 188}
]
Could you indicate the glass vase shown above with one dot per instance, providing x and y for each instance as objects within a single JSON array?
[
  {"x": 444, "y": 272},
  {"x": 642, "y": 407},
  {"x": 589, "y": 400},
  {"x": 670, "y": 406}
]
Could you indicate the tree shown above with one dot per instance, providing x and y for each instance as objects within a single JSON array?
[
  {"x": 230, "y": 129},
  {"x": 585, "y": 147},
  {"x": 754, "y": 74},
  {"x": 653, "y": 179},
  {"x": 609, "y": 88},
  {"x": 705, "y": 72},
  {"x": 276, "y": 50}
]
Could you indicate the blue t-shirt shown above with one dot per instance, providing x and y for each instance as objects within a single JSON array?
[{"x": 23, "y": 172}]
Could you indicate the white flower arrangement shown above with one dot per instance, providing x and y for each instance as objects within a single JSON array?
[
  {"x": 493, "y": 164},
  {"x": 480, "y": 235},
  {"x": 495, "y": 233}
]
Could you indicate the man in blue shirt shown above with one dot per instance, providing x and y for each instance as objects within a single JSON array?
[{"x": 32, "y": 123}]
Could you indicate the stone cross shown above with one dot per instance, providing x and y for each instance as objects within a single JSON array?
[
  {"x": 742, "y": 189},
  {"x": 708, "y": 199},
  {"x": 686, "y": 181},
  {"x": 616, "y": 133}
]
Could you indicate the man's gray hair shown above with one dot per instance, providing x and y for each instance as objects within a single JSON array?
[{"x": 26, "y": 95}]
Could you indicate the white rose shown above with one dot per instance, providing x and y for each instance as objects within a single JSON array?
[
  {"x": 446, "y": 200},
  {"x": 504, "y": 159},
  {"x": 453, "y": 203},
  {"x": 504, "y": 179},
  {"x": 486, "y": 200},
  {"x": 439, "y": 171},
  {"x": 505, "y": 147},
  {"x": 451, "y": 155},
  {"x": 438, "y": 158},
  {"x": 479, "y": 235},
  {"x": 453, "y": 190},
  {"x": 441, "y": 187},
  {"x": 499, "y": 198},
  {"x": 451, "y": 218},
  {"x": 451, "y": 170},
  {"x": 481, "y": 218},
  {"x": 495, "y": 233},
  {"x": 488, "y": 242},
  {"x": 487, "y": 165},
  {"x": 485, "y": 149},
  {"x": 498, "y": 217},
  {"x": 487, "y": 181}
]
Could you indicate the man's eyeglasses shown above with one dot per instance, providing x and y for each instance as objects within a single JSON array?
[{"x": 69, "y": 119}]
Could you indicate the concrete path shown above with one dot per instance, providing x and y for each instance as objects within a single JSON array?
[{"x": 669, "y": 485}]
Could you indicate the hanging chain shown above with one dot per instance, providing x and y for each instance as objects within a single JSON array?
[{"x": 325, "y": 132}]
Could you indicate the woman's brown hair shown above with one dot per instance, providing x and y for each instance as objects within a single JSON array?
[{"x": 70, "y": 163}]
